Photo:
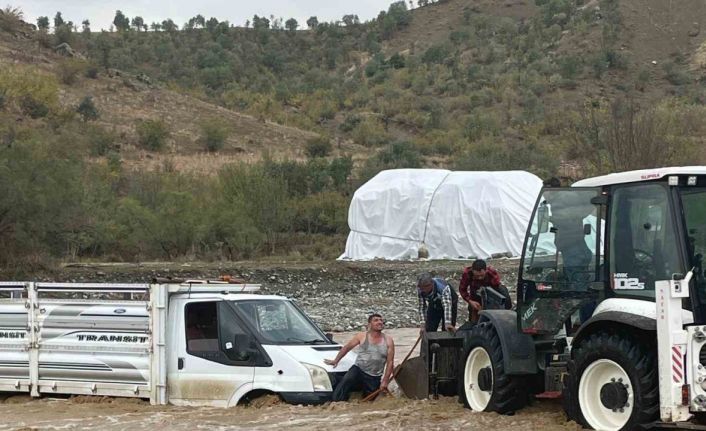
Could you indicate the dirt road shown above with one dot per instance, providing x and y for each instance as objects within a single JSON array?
[{"x": 97, "y": 413}]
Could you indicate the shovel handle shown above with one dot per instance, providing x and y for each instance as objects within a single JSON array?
[{"x": 408, "y": 355}]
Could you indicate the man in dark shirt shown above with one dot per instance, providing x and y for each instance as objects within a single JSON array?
[{"x": 478, "y": 275}]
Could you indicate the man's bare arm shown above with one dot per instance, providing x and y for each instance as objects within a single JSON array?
[
  {"x": 390, "y": 365},
  {"x": 350, "y": 345}
]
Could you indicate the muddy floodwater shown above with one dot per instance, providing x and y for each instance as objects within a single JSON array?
[
  {"x": 20, "y": 412},
  {"x": 90, "y": 413}
]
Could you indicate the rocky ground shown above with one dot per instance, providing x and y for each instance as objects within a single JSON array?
[{"x": 337, "y": 295}]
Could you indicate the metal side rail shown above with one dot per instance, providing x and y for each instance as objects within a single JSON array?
[
  {"x": 15, "y": 341},
  {"x": 92, "y": 287}
]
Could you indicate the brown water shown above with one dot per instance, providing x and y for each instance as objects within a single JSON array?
[
  {"x": 88, "y": 413},
  {"x": 268, "y": 413}
]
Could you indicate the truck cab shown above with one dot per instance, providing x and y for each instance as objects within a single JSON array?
[{"x": 226, "y": 347}]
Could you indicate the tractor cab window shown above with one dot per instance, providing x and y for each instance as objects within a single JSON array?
[
  {"x": 560, "y": 259},
  {"x": 643, "y": 244},
  {"x": 694, "y": 205}
]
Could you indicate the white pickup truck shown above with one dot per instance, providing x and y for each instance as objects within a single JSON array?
[{"x": 191, "y": 343}]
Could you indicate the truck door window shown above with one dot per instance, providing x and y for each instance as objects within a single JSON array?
[
  {"x": 643, "y": 244},
  {"x": 201, "y": 328},
  {"x": 212, "y": 329}
]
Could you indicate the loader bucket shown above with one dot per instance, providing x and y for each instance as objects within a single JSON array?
[
  {"x": 410, "y": 378},
  {"x": 435, "y": 370}
]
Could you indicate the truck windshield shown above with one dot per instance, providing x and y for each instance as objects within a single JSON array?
[{"x": 280, "y": 322}]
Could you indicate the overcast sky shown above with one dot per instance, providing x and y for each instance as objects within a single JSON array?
[{"x": 101, "y": 12}]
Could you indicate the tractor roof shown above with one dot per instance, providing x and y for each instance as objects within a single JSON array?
[{"x": 640, "y": 176}]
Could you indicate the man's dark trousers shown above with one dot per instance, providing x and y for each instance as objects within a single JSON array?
[{"x": 355, "y": 379}]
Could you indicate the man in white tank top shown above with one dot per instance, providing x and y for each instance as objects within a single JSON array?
[{"x": 374, "y": 364}]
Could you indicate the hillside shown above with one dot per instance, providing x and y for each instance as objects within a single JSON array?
[
  {"x": 511, "y": 81},
  {"x": 139, "y": 135},
  {"x": 123, "y": 99}
]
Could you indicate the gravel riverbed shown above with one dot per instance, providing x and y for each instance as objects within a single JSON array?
[{"x": 337, "y": 295}]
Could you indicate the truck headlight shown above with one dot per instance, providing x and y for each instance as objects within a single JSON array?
[{"x": 319, "y": 378}]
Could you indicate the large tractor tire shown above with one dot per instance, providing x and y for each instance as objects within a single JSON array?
[
  {"x": 612, "y": 383},
  {"x": 486, "y": 387}
]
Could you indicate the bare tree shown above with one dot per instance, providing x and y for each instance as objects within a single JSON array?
[{"x": 626, "y": 136}]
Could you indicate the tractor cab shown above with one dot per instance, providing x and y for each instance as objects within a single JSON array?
[{"x": 611, "y": 237}]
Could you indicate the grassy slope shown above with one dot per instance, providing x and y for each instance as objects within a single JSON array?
[
  {"x": 651, "y": 30},
  {"x": 123, "y": 100}
]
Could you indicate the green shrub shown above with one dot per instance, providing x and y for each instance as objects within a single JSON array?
[
  {"x": 87, "y": 109},
  {"x": 11, "y": 19},
  {"x": 491, "y": 155},
  {"x": 325, "y": 212},
  {"x": 69, "y": 70},
  {"x": 676, "y": 75},
  {"x": 318, "y": 147},
  {"x": 91, "y": 71},
  {"x": 370, "y": 133},
  {"x": 436, "y": 54},
  {"x": 397, "y": 61},
  {"x": 100, "y": 140},
  {"x": 569, "y": 66},
  {"x": 36, "y": 92},
  {"x": 33, "y": 107},
  {"x": 152, "y": 134},
  {"x": 349, "y": 123},
  {"x": 214, "y": 134}
]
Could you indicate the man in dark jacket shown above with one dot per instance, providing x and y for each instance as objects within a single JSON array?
[{"x": 438, "y": 303}]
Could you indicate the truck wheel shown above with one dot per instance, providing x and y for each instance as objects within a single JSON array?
[
  {"x": 486, "y": 387},
  {"x": 612, "y": 383}
]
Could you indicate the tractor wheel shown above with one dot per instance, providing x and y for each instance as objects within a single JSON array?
[
  {"x": 486, "y": 387},
  {"x": 612, "y": 383}
]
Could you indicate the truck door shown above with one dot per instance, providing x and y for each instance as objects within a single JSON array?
[
  {"x": 210, "y": 369},
  {"x": 562, "y": 259}
]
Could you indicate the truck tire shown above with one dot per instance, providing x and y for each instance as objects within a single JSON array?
[
  {"x": 612, "y": 383},
  {"x": 484, "y": 384}
]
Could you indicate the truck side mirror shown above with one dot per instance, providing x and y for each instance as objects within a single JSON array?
[{"x": 329, "y": 336}]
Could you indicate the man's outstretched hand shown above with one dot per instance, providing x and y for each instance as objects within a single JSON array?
[{"x": 331, "y": 362}]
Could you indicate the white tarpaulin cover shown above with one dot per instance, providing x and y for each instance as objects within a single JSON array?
[{"x": 456, "y": 215}]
